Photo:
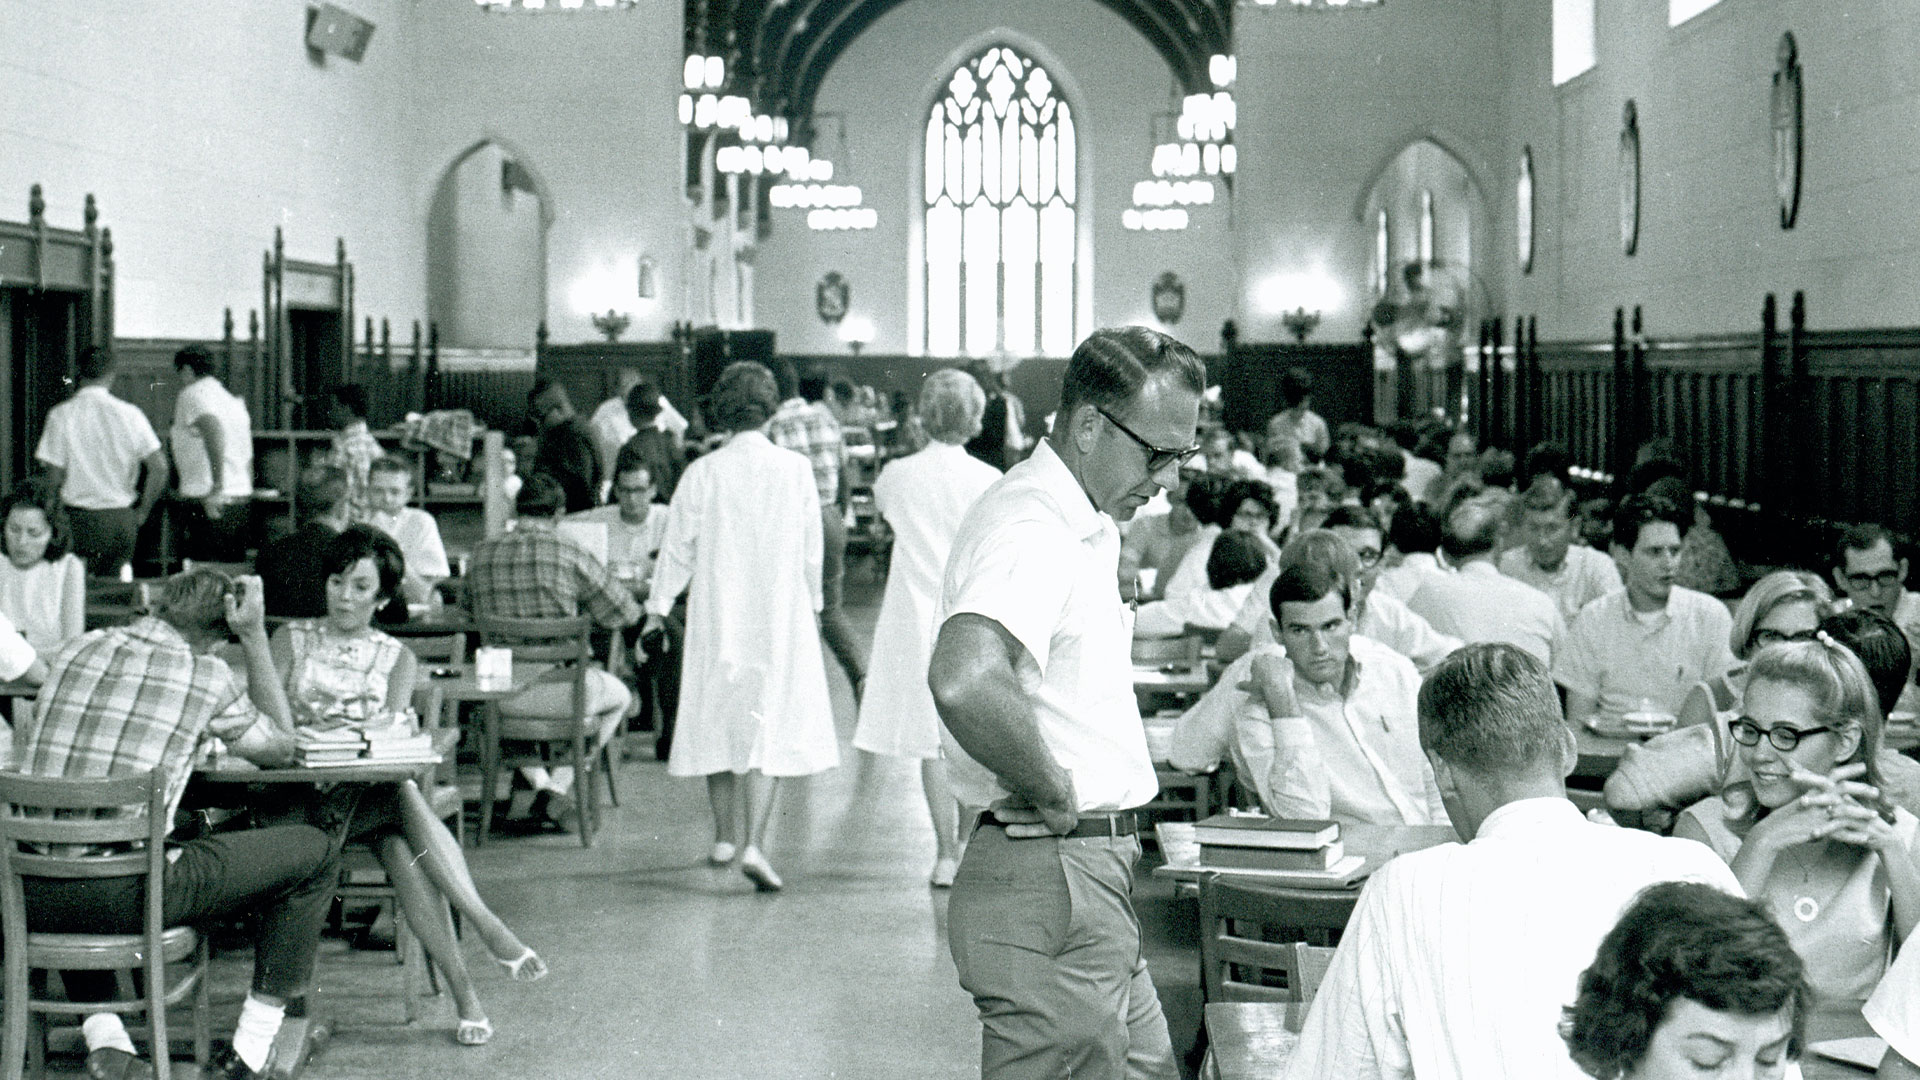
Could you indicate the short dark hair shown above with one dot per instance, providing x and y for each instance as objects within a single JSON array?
[
  {"x": 1352, "y": 517},
  {"x": 1496, "y": 467},
  {"x": 194, "y": 602},
  {"x": 1207, "y": 498},
  {"x": 1491, "y": 709},
  {"x": 1881, "y": 647},
  {"x": 1861, "y": 536},
  {"x": 1472, "y": 528},
  {"x": 541, "y": 496},
  {"x": 1236, "y": 559},
  {"x": 813, "y": 384},
  {"x": 353, "y": 398},
  {"x": 321, "y": 489},
  {"x": 631, "y": 456},
  {"x": 1112, "y": 364},
  {"x": 198, "y": 359},
  {"x": 1296, "y": 384},
  {"x": 33, "y": 495},
  {"x": 745, "y": 396},
  {"x": 1415, "y": 528},
  {"x": 1681, "y": 939},
  {"x": 643, "y": 401},
  {"x": 1241, "y": 492},
  {"x": 1307, "y": 583},
  {"x": 392, "y": 463},
  {"x": 356, "y": 542},
  {"x": 94, "y": 362},
  {"x": 1548, "y": 459},
  {"x": 1635, "y": 512}
]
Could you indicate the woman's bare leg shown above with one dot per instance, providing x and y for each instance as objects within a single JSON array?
[
  {"x": 425, "y": 910},
  {"x": 722, "y": 793},
  {"x": 440, "y": 856}
]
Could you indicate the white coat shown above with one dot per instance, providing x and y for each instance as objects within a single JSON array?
[
  {"x": 923, "y": 497},
  {"x": 743, "y": 533}
]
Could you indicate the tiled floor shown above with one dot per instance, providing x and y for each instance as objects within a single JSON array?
[{"x": 664, "y": 967}]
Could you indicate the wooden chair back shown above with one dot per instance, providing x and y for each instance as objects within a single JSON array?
[
  {"x": 567, "y": 641},
  {"x": 1264, "y": 942}
]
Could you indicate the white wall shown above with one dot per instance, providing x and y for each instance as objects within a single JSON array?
[
  {"x": 882, "y": 86},
  {"x": 486, "y": 274}
]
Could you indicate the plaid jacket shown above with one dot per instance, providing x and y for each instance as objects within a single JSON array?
[
  {"x": 128, "y": 699},
  {"x": 534, "y": 573},
  {"x": 811, "y": 430}
]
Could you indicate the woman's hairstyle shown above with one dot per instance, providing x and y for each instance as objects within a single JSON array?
[
  {"x": 951, "y": 404},
  {"x": 1207, "y": 497},
  {"x": 356, "y": 542},
  {"x": 1843, "y": 693},
  {"x": 1681, "y": 939},
  {"x": 745, "y": 396},
  {"x": 34, "y": 496},
  {"x": 1236, "y": 559},
  {"x": 1881, "y": 647},
  {"x": 1240, "y": 492},
  {"x": 1779, "y": 587}
]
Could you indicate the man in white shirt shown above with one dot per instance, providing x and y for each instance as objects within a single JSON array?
[
  {"x": 1574, "y": 575},
  {"x": 1869, "y": 574},
  {"x": 94, "y": 446},
  {"x": 1641, "y": 648},
  {"x": 635, "y": 526},
  {"x": 389, "y": 490},
  {"x": 1458, "y": 958},
  {"x": 1412, "y": 540},
  {"x": 1296, "y": 432},
  {"x": 1031, "y": 676},
  {"x": 212, "y": 438},
  {"x": 1322, "y": 727},
  {"x": 1477, "y": 603}
]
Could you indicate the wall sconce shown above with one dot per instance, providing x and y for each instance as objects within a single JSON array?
[
  {"x": 649, "y": 283},
  {"x": 612, "y": 324},
  {"x": 856, "y": 331},
  {"x": 1300, "y": 322}
]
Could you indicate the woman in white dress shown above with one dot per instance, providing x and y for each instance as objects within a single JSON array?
[
  {"x": 743, "y": 532},
  {"x": 923, "y": 497}
]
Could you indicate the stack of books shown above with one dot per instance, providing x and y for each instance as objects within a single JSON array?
[
  {"x": 386, "y": 740},
  {"x": 314, "y": 747},
  {"x": 1290, "y": 851},
  {"x": 401, "y": 742}
]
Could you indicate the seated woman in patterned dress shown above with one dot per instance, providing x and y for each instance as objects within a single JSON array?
[{"x": 339, "y": 668}]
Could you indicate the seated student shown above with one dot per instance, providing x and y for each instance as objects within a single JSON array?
[
  {"x": 1157, "y": 542},
  {"x": 1221, "y": 455},
  {"x": 1413, "y": 538},
  {"x": 1574, "y": 575},
  {"x": 1243, "y": 506},
  {"x": 1477, "y": 603},
  {"x": 1236, "y": 563},
  {"x": 354, "y": 448},
  {"x": 1690, "y": 982},
  {"x": 128, "y": 699},
  {"x": 1458, "y": 958},
  {"x": 1322, "y": 723},
  {"x": 340, "y": 669},
  {"x": 389, "y": 489},
  {"x": 1871, "y": 575},
  {"x": 1894, "y": 1014},
  {"x": 1683, "y": 766},
  {"x": 1642, "y": 647},
  {"x": 293, "y": 562},
  {"x": 43, "y": 585},
  {"x": 1382, "y": 618},
  {"x": 636, "y": 523},
  {"x": 660, "y": 449},
  {"x": 1826, "y": 854}
]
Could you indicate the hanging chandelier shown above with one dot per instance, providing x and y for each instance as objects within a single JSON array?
[
  {"x": 1320, "y": 5},
  {"x": 555, "y": 5}
]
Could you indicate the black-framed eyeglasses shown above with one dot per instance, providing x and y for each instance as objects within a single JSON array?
[
  {"x": 1157, "y": 457},
  {"x": 1879, "y": 580},
  {"x": 1784, "y": 739},
  {"x": 1369, "y": 557},
  {"x": 1763, "y": 638}
]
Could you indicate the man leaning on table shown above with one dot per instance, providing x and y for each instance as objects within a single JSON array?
[
  {"x": 1033, "y": 680},
  {"x": 1458, "y": 958},
  {"x": 125, "y": 700}
]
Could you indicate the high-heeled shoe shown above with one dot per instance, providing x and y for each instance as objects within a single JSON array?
[
  {"x": 527, "y": 967},
  {"x": 474, "y": 1032},
  {"x": 759, "y": 871}
]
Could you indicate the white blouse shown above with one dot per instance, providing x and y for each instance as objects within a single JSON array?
[{"x": 47, "y": 601}]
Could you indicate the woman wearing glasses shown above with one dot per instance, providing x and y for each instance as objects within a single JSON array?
[{"x": 1809, "y": 834}]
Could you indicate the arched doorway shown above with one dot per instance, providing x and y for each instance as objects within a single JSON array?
[{"x": 487, "y": 249}]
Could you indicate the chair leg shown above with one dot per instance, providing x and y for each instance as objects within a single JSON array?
[
  {"x": 489, "y": 779},
  {"x": 14, "y": 1008},
  {"x": 583, "y": 786},
  {"x": 202, "y": 1006},
  {"x": 37, "y": 1046},
  {"x": 607, "y": 759},
  {"x": 162, "y": 1051}
]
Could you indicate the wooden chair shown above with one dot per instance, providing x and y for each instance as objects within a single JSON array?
[
  {"x": 557, "y": 641},
  {"x": 141, "y": 801},
  {"x": 1267, "y": 943},
  {"x": 441, "y": 650}
]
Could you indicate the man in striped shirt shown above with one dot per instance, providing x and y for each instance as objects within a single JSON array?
[{"x": 129, "y": 699}]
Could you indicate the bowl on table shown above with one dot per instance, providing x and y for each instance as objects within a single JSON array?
[{"x": 1647, "y": 722}]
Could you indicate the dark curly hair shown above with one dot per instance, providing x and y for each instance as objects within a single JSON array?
[
  {"x": 1681, "y": 939},
  {"x": 356, "y": 542},
  {"x": 37, "y": 496}
]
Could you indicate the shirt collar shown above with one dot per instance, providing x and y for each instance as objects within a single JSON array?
[
  {"x": 158, "y": 631},
  {"x": 1482, "y": 567},
  {"x": 93, "y": 388},
  {"x": 1050, "y": 474},
  {"x": 1525, "y": 815}
]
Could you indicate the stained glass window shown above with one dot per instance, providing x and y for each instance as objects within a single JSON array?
[
  {"x": 1426, "y": 228},
  {"x": 1001, "y": 235},
  {"x": 1381, "y": 254}
]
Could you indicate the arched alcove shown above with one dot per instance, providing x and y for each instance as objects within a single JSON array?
[
  {"x": 1436, "y": 215},
  {"x": 487, "y": 249}
]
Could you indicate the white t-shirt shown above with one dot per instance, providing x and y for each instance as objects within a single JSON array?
[
  {"x": 1034, "y": 556},
  {"x": 206, "y": 397},
  {"x": 419, "y": 538},
  {"x": 1622, "y": 658},
  {"x": 1478, "y": 603},
  {"x": 100, "y": 441}
]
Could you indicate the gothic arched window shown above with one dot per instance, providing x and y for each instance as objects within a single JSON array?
[{"x": 1001, "y": 235}]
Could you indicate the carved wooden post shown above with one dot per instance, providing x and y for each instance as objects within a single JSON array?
[
  {"x": 1775, "y": 447},
  {"x": 226, "y": 347},
  {"x": 1638, "y": 414},
  {"x": 430, "y": 386},
  {"x": 106, "y": 287},
  {"x": 1809, "y": 469},
  {"x": 94, "y": 333},
  {"x": 1620, "y": 453},
  {"x": 1499, "y": 432},
  {"x": 415, "y": 363},
  {"x": 1534, "y": 398},
  {"x": 345, "y": 270}
]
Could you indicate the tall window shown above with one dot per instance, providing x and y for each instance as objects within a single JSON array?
[
  {"x": 1573, "y": 38},
  {"x": 1679, "y": 11},
  {"x": 1426, "y": 227},
  {"x": 1000, "y": 195},
  {"x": 1381, "y": 254}
]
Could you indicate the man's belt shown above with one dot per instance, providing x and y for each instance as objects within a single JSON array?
[{"x": 1124, "y": 823}]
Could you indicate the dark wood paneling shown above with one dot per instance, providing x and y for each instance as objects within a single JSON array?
[{"x": 1249, "y": 381}]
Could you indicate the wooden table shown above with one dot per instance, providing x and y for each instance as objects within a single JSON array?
[
  {"x": 1375, "y": 843},
  {"x": 1250, "y": 1040},
  {"x": 1183, "y": 679},
  {"x": 1598, "y": 755}
]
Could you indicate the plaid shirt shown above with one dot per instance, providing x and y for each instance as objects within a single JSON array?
[
  {"x": 127, "y": 699},
  {"x": 353, "y": 452},
  {"x": 811, "y": 430},
  {"x": 534, "y": 573}
]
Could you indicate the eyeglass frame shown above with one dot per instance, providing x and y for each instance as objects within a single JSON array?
[
  {"x": 1776, "y": 637},
  {"x": 1157, "y": 457},
  {"x": 1795, "y": 735},
  {"x": 1879, "y": 579}
]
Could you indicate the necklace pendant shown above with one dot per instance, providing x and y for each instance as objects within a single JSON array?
[{"x": 1806, "y": 909}]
